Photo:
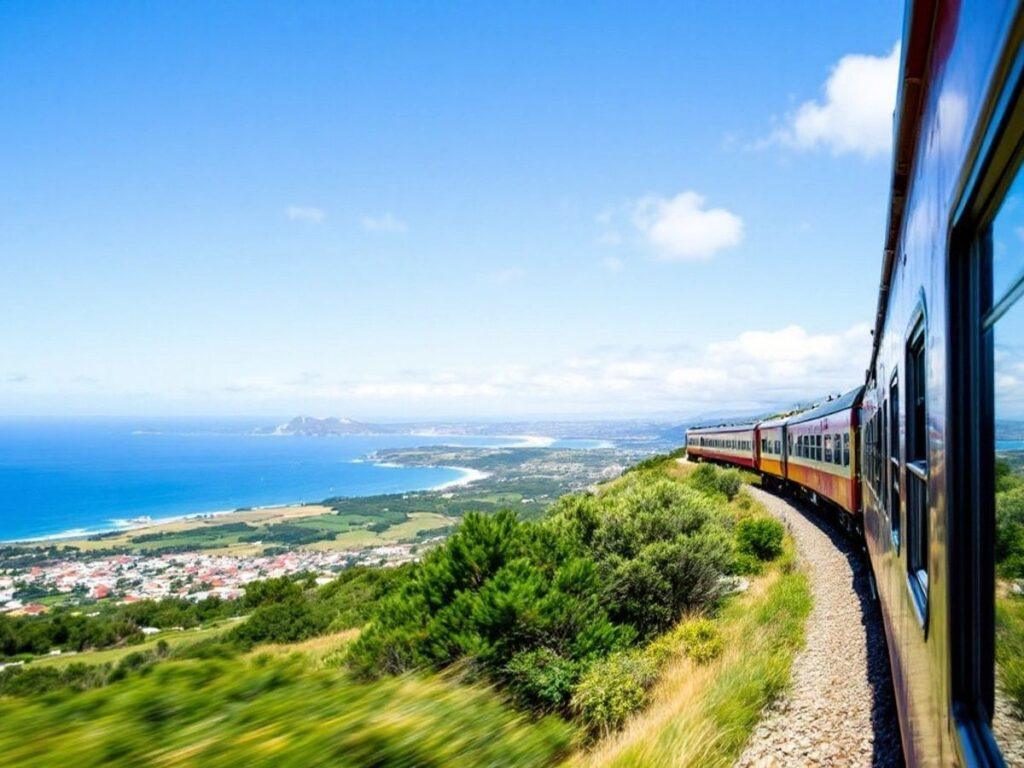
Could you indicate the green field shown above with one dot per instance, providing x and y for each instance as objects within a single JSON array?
[{"x": 174, "y": 638}]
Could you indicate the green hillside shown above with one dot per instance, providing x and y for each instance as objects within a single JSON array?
[{"x": 517, "y": 642}]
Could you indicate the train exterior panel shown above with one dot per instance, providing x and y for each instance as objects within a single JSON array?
[
  {"x": 822, "y": 457},
  {"x": 730, "y": 445},
  {"x": 927, "y": 449},
  {"x": 771, "y": 441}
]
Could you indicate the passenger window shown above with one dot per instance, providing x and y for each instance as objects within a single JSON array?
[
  {"x": 828, "y": 448},
  {"x": 837, "y": 457},
  {"x": 894, "y": 460},
  {"x": 817, "y": 447},
  {"x": 846, "y": 449},
  {"x": 1004, "y": 324},
  {"x": 917, "y": 470}
]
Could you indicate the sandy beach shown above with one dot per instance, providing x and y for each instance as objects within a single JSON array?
[{"x": 256, "y": 516}]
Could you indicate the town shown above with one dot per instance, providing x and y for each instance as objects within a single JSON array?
[{"x": 190, "y": 575}]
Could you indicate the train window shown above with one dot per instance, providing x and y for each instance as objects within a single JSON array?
[
  {"x": 817, "y": 447},
  {"x": 894, "y": 460},
  {"x": 837, "y": 456},
  {"x": 878, "y": 457},
  {"x": 917, "y": 470},
  {"x": 828, "y": 448},
  {"x": 846, "y": 449},
  {"x": 1003, "y": 326},
  {"x": 778, "y": 447}
]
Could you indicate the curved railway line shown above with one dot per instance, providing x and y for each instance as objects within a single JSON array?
[{"x": 840, "y": 710}]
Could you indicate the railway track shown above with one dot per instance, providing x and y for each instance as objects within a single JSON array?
[{"x": 840, "y": 710}]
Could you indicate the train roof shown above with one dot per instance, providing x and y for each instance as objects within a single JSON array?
[
  {"x": 842, "y": 403},
  {"x": 910, "y": 94},
  {"x": 778, "y": 421},
  {"x": 734, "y": 426}
]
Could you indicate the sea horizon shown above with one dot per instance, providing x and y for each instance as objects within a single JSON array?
[{"x": 64, "y": 478}]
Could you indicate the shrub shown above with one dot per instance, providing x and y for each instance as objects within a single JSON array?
[
  {"x": 286, "y": 622},
  {"x": 613, "y": 689},
  {"x": 729, "y": 482},
  {"x": 699, "y": 639},
  {"x": 702, "y": 641},
  {"x": 667, "y": 578},
  {"x": 746, "y": 564},
  {"x": 1010, "y": 531},
  {"x": 542, "y": 680},
  {"x": 531, "y": 604},
  {"x": 760, "y": 537}
]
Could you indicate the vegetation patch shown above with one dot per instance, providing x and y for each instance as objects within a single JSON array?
[
  {"x": 1010, "y": 573},
  {"x": 273, "y": 710},
  {"x": 703, "y": 714}
]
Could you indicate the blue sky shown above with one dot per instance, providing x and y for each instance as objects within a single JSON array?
[{"x": 439, "y": 209}]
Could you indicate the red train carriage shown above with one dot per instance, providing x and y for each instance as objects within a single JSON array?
[
  {"x": 733, "y": 444},
  {"x": 821, "y": 451}
]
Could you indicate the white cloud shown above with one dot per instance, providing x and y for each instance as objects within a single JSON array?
[
  {"x": 856, "y": 113},
  {"x": 305, "y": 213},
  {"x": 755, "y": 371},
  {"x": 682, "y": 228},
  {"x": 387, "y": 222}
]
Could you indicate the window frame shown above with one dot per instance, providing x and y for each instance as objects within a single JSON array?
[
  {"x": 894, "y": 459},
  {"x": 916, "y": 464},
  {"x": 993, "y": 161}
]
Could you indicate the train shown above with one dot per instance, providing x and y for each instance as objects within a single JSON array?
[{"x": 920, "y": 460}]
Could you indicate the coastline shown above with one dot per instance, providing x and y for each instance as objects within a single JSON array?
[
  {"x": 469, "y": 476},
  {"x": 221, "y": 516}
]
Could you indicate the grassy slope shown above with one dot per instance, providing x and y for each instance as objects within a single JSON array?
[
  {"x": 275, "y": 708},
  {"x": 702, "y": 716},
  {"x": 174, "y": 638},
  {"x": 291, "y": 705}
]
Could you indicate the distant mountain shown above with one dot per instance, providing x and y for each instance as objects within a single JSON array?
[{"x": 332, "y": 425}]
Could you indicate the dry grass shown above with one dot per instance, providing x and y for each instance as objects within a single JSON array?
[
  {"x": 703, "y": 715},
  {"x": 316, "y": 648}
]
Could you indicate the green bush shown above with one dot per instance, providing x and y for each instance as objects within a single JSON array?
[
  {"x": 702, "y": 641},
  {"x": 729, "y": 482},
  {"x": 760, "y": 537},
  {"x": 531, "y": 604},
  {"x": 699, "y": 639},
  {"x": 1010, "y": 531},
  {"x": 613, "y": 689},
  {"x": 286, "y": 622},
  {"x": 541, "y": 680}
]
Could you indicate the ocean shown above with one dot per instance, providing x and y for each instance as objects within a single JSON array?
[{"x": 86, "y": 476}]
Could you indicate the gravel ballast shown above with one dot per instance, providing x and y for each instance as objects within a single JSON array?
[{"x": 840, "y": 709}]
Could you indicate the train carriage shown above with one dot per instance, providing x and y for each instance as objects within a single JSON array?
[
  {"x": 945, "y": 364},
  {"x": 821, "y": 455},
  {"x": 929, "y": 452},
  {"x": 731, "y": 444}
]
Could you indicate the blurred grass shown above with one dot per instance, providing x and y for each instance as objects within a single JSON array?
[
  {"x": 274, "y": 710},
  {"x": 173, "y": 637}
]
